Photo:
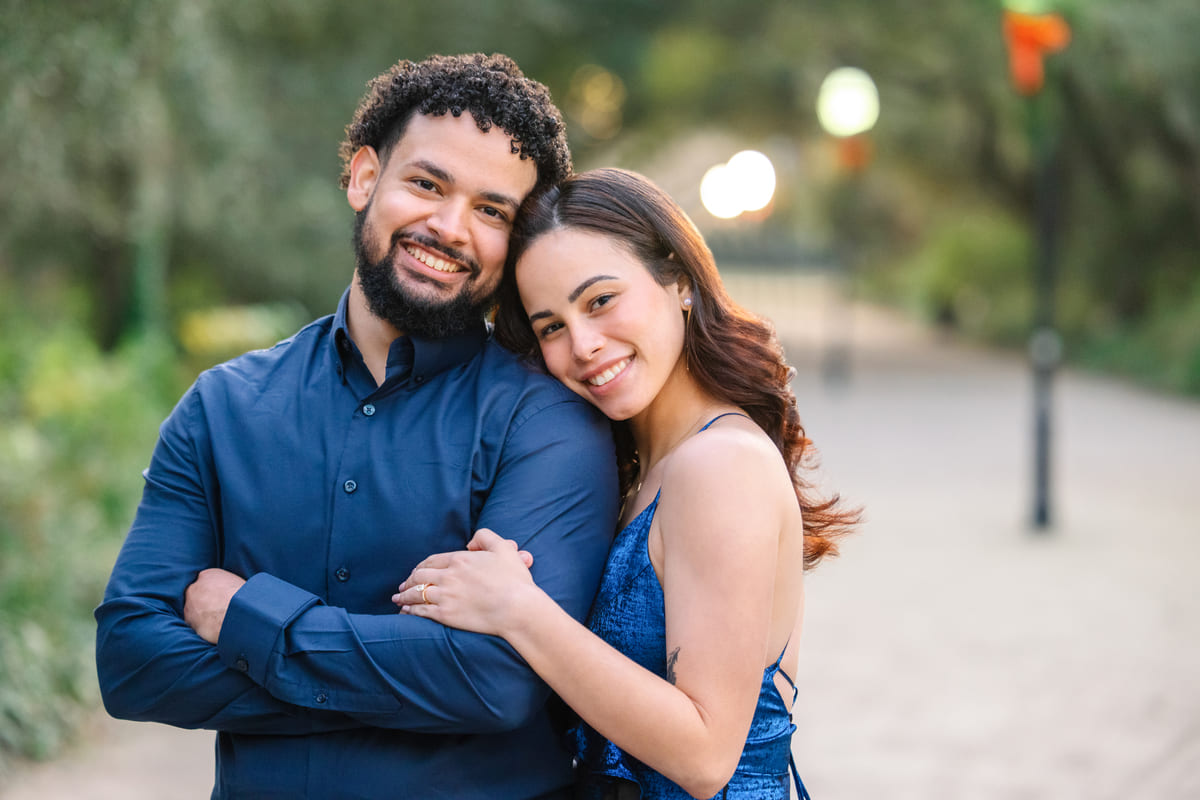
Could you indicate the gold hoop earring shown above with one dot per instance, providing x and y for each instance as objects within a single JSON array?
[{"x": 687, "y": 326}]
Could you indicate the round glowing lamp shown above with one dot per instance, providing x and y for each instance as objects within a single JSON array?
[
  {"x": 755, "y": 176},
  {"x": 720, "y": 193},
  {"x": 847, "y": 102}
]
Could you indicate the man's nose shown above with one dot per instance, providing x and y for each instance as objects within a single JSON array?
[{"x": 449, "y": 221}]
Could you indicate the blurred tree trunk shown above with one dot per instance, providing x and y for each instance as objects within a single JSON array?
[{"x": 150, "y": 222}]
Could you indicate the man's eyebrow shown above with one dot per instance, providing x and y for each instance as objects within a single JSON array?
[
  {"x": 434, "y": 170},
  {"x": 497, "y": 198},
  {"x": 502, "y": 200}
]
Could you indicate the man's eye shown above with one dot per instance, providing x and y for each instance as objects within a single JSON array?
[
  {"x": 494, "y": 212},
  {"x": 428, "y": 186}
]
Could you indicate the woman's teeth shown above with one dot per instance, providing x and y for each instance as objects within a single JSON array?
[{"x": 609, "y": 374}]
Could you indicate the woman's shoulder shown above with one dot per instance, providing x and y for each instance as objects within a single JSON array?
[
  {"x": 733, "y": 449},
  {"x": 732, "y": 468}
]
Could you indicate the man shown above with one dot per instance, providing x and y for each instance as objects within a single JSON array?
[{"x": 292, "y": 489}]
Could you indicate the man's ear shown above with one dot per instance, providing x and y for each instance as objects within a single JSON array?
[{"x": 364, "y": 174}]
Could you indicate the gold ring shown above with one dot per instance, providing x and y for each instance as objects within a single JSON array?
[{"x": 425, "y": 599}]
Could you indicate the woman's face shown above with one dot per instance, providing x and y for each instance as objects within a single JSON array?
[{"x": 606, "y": 329}]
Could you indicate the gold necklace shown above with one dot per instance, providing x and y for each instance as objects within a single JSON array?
[{"x": 691, "y": 431}]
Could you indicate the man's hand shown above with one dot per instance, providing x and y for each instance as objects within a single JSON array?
[{"x": 207, "y": 600}]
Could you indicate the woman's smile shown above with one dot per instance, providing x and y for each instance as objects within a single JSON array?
[{"x": 602, "y": 378}]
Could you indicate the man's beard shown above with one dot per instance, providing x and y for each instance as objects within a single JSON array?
[{"x": 390, "y": 300}]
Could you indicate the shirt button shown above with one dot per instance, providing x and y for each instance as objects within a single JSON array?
[
  {"x": 242, "y": 664},
  {"x": 419, "y": 380},
  {"x": 342, "y": 574},
  {"x": 321, "y": 697},
  {"x": 350, "y": 486},
  {"x": 369, "y": 410}
]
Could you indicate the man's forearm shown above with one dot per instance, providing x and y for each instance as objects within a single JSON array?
[
  {"x": 383, "y": 670},
  {"x": 153, "y": 668}
]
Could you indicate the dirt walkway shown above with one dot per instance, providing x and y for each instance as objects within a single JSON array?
[{"x": 117, "y": 760}]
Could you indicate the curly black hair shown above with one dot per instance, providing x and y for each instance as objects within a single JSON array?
[{"x": 492, "y": 88}]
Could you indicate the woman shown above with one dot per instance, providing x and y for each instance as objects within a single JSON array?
[{"x": 681, "y": 676}]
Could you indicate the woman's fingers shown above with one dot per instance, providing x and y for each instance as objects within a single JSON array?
[
  {"x": 416, "y": 589},
  {"x": 487, "y": 539},
  {"x": 419, "y": 594}
]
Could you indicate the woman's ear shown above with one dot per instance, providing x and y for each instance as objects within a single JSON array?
[
  {"x": 684, "y": 287},
  {"x": 364, "y": 174}
]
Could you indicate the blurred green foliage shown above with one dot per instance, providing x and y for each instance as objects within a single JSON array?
[
  {"x": 971, "y": 274},
  {"x": 79, "y": 425},
  {"x": 170, "y": 171}
]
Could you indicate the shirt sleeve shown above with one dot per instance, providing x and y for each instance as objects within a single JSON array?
[
  {"x": 555, "y": 493},
  {"x": 151, "y": 665}
]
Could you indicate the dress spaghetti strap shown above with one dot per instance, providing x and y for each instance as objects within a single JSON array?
[
  {"x": 801, "y": 792},
  {"x": 777, "y": 668},
  {"x": 718, "y": 416}
]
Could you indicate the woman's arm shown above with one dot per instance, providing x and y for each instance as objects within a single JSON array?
[{"x": 719, "y": 531}]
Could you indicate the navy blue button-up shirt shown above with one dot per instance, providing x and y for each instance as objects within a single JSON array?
[{"x": 290, "y": 467}]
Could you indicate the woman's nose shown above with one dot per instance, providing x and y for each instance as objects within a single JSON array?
[{"x": 586, "y": 341}]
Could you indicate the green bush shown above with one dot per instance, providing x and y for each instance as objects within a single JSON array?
[
  {"x": 1161, "y": 350},
  {"x": 79, "y": 428},
  {"x": 972, "y": 274}
]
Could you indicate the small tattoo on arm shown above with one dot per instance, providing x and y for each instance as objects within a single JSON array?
[{"x": 671, "y": 659}]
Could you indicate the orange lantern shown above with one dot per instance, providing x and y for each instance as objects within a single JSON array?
[{"x": 1029, "y": 38}]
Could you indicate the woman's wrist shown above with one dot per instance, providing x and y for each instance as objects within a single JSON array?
[{"x": 525, "y": 607}]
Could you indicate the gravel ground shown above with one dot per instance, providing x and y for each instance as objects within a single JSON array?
[{"x": 951, "y": 652}]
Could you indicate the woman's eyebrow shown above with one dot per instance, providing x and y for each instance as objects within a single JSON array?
[{"x": 573, "y": 296}]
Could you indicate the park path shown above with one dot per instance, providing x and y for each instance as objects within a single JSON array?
[{"x": 950, "y": 652}]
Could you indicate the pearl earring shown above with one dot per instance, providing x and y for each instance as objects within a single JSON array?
[{"x": 687, "y": 303}]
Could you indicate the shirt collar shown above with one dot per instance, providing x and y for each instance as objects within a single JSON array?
[{"x": 430, "y": 356}]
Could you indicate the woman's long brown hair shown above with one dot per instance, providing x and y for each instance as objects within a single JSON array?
[{"x": 733, "y": 354}]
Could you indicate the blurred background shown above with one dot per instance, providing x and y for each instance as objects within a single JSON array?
[{"x": 976, "y": 225}]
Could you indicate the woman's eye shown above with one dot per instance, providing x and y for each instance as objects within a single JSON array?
[
  {"x": 602, "y": 300},
  {"x": 546, "y": 330}
]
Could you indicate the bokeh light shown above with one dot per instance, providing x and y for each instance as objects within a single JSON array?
[
  {"x": 596, "y": 100},
  {"x": 746, "y": 182},
  {"x": 718, "y": 192},
  {"x": 847, "y": 102},
  {"x": 756, "y": 179}
]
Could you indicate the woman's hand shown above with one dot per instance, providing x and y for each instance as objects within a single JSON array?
[{"x": 480, "y": 589}]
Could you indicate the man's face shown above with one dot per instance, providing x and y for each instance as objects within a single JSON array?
[{"x": 433, "y": 222}]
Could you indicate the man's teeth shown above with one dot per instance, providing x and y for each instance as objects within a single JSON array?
[
  {"x": 430, "y": 260},
  {"x": 609, "y": 374}
]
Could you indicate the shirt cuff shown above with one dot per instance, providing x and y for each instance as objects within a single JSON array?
[{"x": 254, "y": 621}]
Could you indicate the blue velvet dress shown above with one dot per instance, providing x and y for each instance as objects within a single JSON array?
[{"x": 629, "y": 614}]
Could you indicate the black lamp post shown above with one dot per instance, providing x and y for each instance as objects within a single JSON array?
[{"x": 1030, "y": 33}]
